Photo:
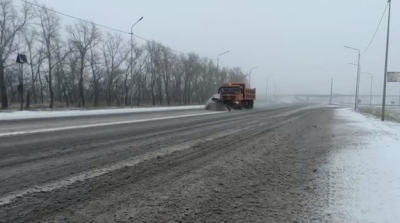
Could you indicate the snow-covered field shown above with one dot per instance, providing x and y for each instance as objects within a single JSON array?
[
  {"x": 363, "y": 173},
  {"x": 70, "y": 113},
  {"x": 392, "y": 113}
]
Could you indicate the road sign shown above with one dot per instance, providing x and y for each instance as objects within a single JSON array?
[{"x": 393, "y": 76}]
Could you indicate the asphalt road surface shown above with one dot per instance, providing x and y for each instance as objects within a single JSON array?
[{"x": 180, "y": 166}]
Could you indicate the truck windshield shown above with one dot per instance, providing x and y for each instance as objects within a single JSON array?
[{"x": 229, "y": 90}]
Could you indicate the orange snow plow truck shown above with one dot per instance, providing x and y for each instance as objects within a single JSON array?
[{"x": 237, "y": 96}]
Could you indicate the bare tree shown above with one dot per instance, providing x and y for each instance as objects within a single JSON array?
[
  {"x": 11, "y": 23},
  {"x": 72, "y": 62},
  {"x": 61, "y": 54},
  {"x": 167, "y": 71},
  {"x": 82, "y": 36},
  {"x": 30, "y": 37},
  {"x": 95, "y": 65},
  {"x": 114, "y": 54},
  {"x": 76, "y": 69},
  {"x": 50, "y": 25},
  {"x": 139, "y": 70}
]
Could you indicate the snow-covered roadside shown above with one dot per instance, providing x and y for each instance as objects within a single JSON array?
[
  {"x": 16, "y": 115},
  {"x": 363, "y": 173}
]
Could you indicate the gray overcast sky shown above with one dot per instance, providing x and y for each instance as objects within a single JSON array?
[{"x": 299, "y": 42}]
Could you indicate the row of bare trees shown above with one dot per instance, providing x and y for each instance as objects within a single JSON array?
[{"x": 79, "y": 65}]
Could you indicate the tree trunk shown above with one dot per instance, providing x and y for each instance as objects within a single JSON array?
[
  {"x": 109, "y": 94},
  {"x": 65, "y": 96},
  {"x": 96, "y": 92},
  {"x": 33, "y": 88},
  {"x": 81, "y": 92},
  {"x": 59, "y": 92},
  {"x": 3, "y": 90},
  {"x": 160, "y": 92},
  {"x": 140, "y": 88},
  {"x": 41, "y": 88},
  {"x": 126, "y": 90},
  {"x": 28, "y": 99},
  {"x": 50, "y": 80}
]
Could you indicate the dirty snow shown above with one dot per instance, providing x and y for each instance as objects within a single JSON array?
[
  {"x": 70, "y": 113},
  {"x": 364, "y": 173}
]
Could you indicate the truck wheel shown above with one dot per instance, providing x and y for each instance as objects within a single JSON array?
[{"x": 246, "y": 104}]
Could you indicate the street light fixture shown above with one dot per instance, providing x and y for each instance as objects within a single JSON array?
[
  {"x": 358, "y": 75},
  {"x": 250, "y": 74},
  {"x": 132, "y": 51},
  {"x": 266, "y": 90},
  {"x": 218, "y": 58}
]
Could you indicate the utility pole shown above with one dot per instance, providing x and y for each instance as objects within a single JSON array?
[
  {"x": 266, "y": 89},
  {"x": 358, "y": 75},
  {"x": 21, "y": 83},
  {"x": 370, "y": 92},
  {"x": 330, "y": 97},
  {"x": 386, "y": 64},
  {"x": 399, "y": 98},
  {"x": 132, "y": 55},
  {"x": 330, "y": 100}
]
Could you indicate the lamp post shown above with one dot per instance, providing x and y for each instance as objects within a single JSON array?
[
  {"x": 386, "y": 64},
  {"x": 358, "y": 75},
  {"x": 218, "y": 58},
  {"x": 370, "y": 90},
  {"x": 21, "y": 59},
  {"x": 250, "y": 75},
  {"x": 372, "y": 77},
  {"x": 132, "y": 53},
  {"x": 266, "y": 89},
  {"x": 330, "y": 98}
]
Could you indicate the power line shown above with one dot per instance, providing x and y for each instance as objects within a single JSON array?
[
  {"x": 86, "y": 21},
  {"x": 73, "y": 17},
  {"x": 377, "y": 28}
]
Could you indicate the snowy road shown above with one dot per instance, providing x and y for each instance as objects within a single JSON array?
[{"x": 288, "y": 163}]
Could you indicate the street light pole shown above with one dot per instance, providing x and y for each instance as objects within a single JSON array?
[
  {"x": 358, "y": 75},
  {"x": 132, "y": 54},
  {"x": 21, "y": 59},
  {"x": 250, "y": 75},
  {"x": 386, "y": 64},
  {"x": 218, "y": 59},
  {"x": 266, "y": 90},
  {"x": 372, "y": 77},
  {"x": 370, "y": 92},
  {"x": 399, "y": 98},
  {"x": 330, "y": 98}
]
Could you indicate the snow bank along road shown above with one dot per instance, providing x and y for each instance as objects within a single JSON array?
[{"x": 263, "y": 165}]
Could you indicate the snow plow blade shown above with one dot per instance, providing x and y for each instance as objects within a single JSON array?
[{"x": 216, "y": 104}]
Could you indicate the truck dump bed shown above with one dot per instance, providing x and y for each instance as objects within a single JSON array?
[{"x": 250, "y": 94}]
